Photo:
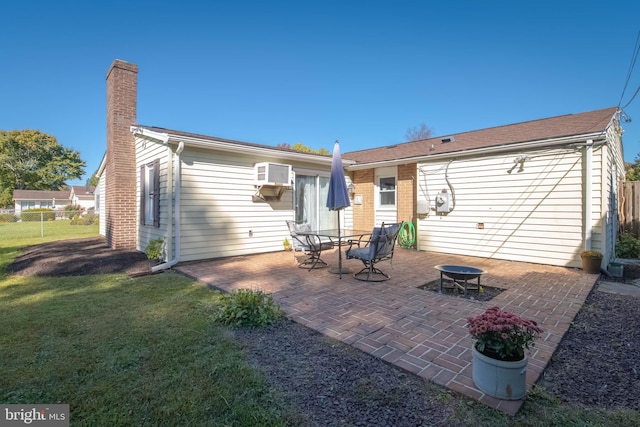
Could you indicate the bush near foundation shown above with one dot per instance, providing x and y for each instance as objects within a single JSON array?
[{"x": 628, "y": 246}]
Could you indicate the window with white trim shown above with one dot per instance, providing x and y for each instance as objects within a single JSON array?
[{"x": 387, "y": 189}]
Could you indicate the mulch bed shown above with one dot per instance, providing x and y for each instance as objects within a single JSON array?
[{"x": 78, "y": 257}]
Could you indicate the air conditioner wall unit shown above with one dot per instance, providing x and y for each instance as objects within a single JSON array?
[{"x": 273, "y": 174}]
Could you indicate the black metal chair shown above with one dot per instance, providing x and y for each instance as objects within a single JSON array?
[
  {"x": 379, "y": 247},
  {"x": 305, "y": 241}
]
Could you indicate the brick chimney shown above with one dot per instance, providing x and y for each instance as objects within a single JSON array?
[{"x": 120, "y": 166}]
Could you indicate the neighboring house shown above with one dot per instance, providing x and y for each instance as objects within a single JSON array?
[
  {"x": 539, "y": 191},
  {"x": 32, "y": 199},
  {"x": 82, "y": 195}
]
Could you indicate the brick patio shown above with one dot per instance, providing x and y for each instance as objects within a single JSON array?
[{"x": 420, "y": 331}]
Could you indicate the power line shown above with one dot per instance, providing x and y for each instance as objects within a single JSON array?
[
  {"x": 634, "y": 58},
  {"x": 634, "y": 95}
]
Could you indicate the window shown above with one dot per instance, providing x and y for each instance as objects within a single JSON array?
[
  {"x": 150, "y": 194},
  {"x": 387, "y": 191}
]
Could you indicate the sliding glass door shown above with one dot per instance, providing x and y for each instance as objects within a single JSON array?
[{"x": 311, "y": 200}]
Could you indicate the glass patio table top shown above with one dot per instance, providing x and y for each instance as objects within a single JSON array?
[{"x": 344, "y": 233}]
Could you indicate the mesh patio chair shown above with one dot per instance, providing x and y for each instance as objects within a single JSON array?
[
  {"x": 310, "y": 244},
  {"x": 379, "y": 247}
]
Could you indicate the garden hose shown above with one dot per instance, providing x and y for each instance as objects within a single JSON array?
[{"x": 407, "y": 235}]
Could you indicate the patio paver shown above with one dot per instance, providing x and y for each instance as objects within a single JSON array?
[{"x": 418, "y": 330}]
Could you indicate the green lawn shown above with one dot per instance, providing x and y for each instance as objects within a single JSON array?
[
  {"x": 146, "y": 351},
  {"x": 124, "y": 351}
]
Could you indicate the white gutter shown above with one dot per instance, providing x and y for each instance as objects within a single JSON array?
[
  {"x": 588, "y": 165},
  {"x": 139, "y": 131},
  {"x": 176, "y": 216},
  {"x": 478, "y": 152}
]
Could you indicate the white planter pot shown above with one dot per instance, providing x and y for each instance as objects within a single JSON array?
[{"x": 498, "y": 378}]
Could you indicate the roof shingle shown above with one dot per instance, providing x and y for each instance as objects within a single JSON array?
[{"x": 535, "y": 130}]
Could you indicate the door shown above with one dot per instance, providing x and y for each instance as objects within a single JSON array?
[
  {"x": 310, "y": 200},
  {"x": 386, "y": 195}
]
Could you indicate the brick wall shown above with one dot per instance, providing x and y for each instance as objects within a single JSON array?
[
  {"x": 120, "y": 168},
  {"x": 407, "y": 192},
  {"x": 364, "y": 214}
]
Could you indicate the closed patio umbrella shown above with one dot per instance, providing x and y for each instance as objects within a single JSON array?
[{"x": 338, "y": 197}]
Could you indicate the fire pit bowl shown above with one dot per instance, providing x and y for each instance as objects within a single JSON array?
[{"x": 460, "y": 274}]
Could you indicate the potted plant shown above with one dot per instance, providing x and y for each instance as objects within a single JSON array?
[
  {"x": 286, "y": 244},
  {"x": 591, "y": 261},
  {"x": 499, "y": 359}
]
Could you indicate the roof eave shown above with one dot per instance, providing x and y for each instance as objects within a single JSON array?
[{"x": 216, "y": 144}]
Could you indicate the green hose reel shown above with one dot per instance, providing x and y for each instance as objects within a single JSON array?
[{"x": 407, "y": 235}]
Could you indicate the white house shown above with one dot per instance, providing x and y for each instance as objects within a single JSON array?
[
  {"x": 206, "y": 197},
  {"x": 32, "y": 199},
  {"x": 82, "y": 195},
  {"x": 539, "y": 191}
]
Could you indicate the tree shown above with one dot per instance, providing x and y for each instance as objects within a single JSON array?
[
  {"x": 633, "y": 169},
  {"x": 33, "y": 160},
  {"x": 301, "y": 148},
  {"x": 417, "y": 133},
  {"x": 94, "y": 180}
]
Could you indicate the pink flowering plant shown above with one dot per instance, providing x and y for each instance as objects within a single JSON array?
[{"x": 502, "y": 335}]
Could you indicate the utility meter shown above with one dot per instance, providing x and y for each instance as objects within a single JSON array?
[{"x": 442, "y": 202}]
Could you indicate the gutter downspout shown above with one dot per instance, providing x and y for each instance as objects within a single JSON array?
[
  {"x": 176, "y": 216},
  {"x": 588, "y": 166}
]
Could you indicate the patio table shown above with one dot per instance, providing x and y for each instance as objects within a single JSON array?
[{"x": 339, "y": 237}]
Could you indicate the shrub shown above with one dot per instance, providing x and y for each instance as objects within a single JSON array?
[
  {"x": 72, "y": 210},
  {"x": 246, "y": 307},
  {"x": 627, "y": 246},
  {"x": 38, "y": 214},
  {"x": 154, "y": 249},
  {"x": 87, "y": 219}
]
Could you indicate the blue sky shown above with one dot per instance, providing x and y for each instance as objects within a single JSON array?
[{"x": 270, "y": 72}]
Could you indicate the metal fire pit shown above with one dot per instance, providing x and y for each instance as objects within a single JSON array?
[{"x": 460, "y": 274}]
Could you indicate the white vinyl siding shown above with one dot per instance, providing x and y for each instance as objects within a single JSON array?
[
  {"x": 533, "y": 215},
  {"x": 100, "y": 202},
  {"x": 219, "y": 216},
  {"x": 146, "y": 153},
  {"x": 613, "y": 162}
]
